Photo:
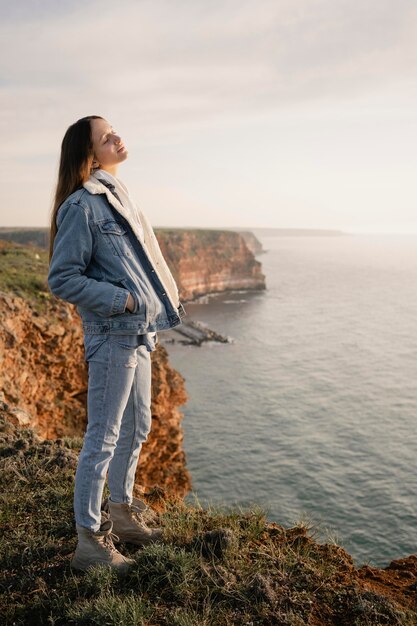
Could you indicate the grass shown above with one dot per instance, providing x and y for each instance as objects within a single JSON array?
[
  {"x": 192, "y": 241},
  {"x": 215, "y": 567},
  {"x": 23, "y": 271}
]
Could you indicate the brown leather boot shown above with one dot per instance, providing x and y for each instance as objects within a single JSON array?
[
  {"x": 129, "y": 525},
  {"x": 97, "y": 548}
]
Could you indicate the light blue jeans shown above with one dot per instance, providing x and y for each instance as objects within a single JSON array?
[{"x": 119, "y": 421}]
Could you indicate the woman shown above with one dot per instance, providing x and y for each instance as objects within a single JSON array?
[{"x": 104, "y": 258}]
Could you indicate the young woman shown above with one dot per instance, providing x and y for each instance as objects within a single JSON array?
[{"x": 105, "y": 259}]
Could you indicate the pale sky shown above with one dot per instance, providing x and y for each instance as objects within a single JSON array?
[{"x": 236, "y": 113}]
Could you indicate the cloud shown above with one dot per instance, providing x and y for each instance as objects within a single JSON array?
[
  {"x": 168, "y": 70},
  {"x": 192, "y": 58},
  {"x": 164, "y": 65}
]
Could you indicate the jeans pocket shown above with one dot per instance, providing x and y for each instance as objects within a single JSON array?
[
  {"x": 92, "y": 343},
  {"x": 128, "y": 342}
]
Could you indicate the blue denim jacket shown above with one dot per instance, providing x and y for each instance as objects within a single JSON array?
[{"x": 98, "y": 260}]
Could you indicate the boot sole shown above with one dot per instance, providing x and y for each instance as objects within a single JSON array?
[
  {"x": 136, "y": 541},
  {"x": 82, "y": 566}
]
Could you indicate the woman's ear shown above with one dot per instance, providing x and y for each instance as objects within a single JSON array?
[{"x": 95, "y": 165}]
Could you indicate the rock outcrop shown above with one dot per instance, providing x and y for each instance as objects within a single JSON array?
[
  {"x": 207, "y": 261},
  {"x": 43, "y": 381},
  {"x": 251, "y": 241}
]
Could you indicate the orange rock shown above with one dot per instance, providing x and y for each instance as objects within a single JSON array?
[
  {"x": 206, "y": 261},
  {"x": 43, "y": 373}
]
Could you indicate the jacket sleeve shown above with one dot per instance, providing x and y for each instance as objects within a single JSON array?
[{"x": 73, "y": 249}]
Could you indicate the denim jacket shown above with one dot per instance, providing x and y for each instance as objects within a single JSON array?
[{"x": 98, "y": 259}]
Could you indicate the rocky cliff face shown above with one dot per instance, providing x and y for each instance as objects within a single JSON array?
[
  {"x": 43, "y": 376},
  {"x": 203, "y": 261},
  {"x": 44, "y": 383},
  {"x": 42, "y": 365},
  {"x": 206, "y": 261}
]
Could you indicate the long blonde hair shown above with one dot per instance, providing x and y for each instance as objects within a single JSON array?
[{"x": 74, "y": 166}]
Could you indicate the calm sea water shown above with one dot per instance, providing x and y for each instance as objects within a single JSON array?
[{"x": 312, "y": 411}]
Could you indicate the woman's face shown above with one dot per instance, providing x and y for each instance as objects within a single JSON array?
[{"x": 108, "y": 147}]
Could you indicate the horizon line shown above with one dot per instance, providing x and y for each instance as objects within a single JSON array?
[{"x": 249, "y": 228}]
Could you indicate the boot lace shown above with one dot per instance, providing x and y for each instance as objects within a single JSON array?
[
  {"x": 108, "y": 541},
  {"x": 136, "y": 512},
  {"x": 136, "y": 515}
]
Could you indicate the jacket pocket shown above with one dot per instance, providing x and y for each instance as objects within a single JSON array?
[
  {"x": 115, "y": 236},
  {"x": 140, "y": 305}
]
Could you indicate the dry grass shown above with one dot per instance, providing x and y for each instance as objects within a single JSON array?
[{"x": 215, "y": 567}]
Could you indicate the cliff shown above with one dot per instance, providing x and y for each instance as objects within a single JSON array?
[
  {"x": 213, "y": 568},
  {"x": 206, "y": 261},
  {"x": 202, "y": 261},
  {"x": 43, "y": 376},
  {"x": 43, "y": 380}
]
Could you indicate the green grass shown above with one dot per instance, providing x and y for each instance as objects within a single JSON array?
[
  {"x": 23, "y": 271},
  {"x": 216, "y": 567}
]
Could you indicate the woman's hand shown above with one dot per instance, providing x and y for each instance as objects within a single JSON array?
[{"x": 130, "y": 303}]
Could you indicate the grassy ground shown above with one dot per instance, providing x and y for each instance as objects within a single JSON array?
[
  {"x": 215, "y": 567},
  {"x": 23, "y": 271}
]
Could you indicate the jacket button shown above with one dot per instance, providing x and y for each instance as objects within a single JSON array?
[{"x": 164, "y": 294}]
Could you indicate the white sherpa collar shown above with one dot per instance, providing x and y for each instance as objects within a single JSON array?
[
  {"x": 94, "y": 186},
  {"x": 149, "y": 242}
]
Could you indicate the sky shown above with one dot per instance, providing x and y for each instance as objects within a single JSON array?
[{"x": 235, "y": 113}]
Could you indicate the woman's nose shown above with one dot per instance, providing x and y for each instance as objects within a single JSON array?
[{"x": 117, "y": 139}]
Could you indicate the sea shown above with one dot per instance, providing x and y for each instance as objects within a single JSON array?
[{"x": 310, "y": 412}]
